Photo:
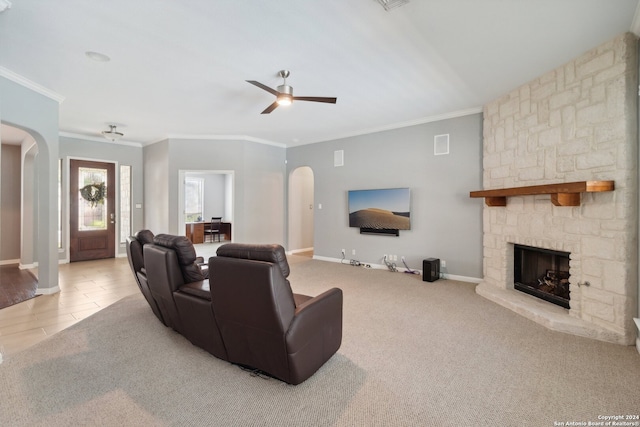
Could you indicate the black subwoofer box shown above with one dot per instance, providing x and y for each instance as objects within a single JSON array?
[{"x": 430, "y": 269}]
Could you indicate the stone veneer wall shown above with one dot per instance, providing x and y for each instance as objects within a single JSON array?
[{"x": 575, "y": 123}]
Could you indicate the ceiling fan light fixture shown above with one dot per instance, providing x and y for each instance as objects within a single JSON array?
[
  {"x": 112, "y": 134},
  {"x": 284, "y": 99}
]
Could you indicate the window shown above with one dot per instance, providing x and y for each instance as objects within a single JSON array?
[
  {"x": 125, "y": 202},
  {"x": 193, "y": 199}
]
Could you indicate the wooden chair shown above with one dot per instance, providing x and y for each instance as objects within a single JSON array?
[{"x": 214, "y": 229}]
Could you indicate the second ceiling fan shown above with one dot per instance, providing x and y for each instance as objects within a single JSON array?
[{"x": 284, "y": 94}]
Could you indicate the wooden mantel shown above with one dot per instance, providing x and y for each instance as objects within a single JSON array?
[{"x": 566, "y": 194}]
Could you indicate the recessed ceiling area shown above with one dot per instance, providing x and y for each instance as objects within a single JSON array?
[{"x": 179, "y": 68}]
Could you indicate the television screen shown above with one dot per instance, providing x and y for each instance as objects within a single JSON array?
[{"x": 385, "y": 209}]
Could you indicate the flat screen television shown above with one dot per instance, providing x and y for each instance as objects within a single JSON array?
[{"x": 380, "y": 211}]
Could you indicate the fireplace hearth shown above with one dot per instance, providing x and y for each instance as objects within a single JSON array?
[{"x": 542, "y": 273}]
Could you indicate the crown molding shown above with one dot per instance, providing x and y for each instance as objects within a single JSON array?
[
  {"x": 99, "y": 139},
  {"x": 225, "y": 138},
  {"x": 17, "y": 78},
  {"x": 429, "y": 119}
]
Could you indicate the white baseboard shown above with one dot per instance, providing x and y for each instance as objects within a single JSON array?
[
  {"x": 9, "y": 261},
  {"x": 27, "y": 266},
  {"x": 48, "y": 291},
  {"x": 460, "y": 278},
  {"x": 297, "y": 251},
  {"x": 401, "y": 269},
  {"x": 637, "y": 320}
]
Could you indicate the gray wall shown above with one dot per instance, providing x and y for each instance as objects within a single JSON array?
[
  {"x": 10, "y": 202},
  {"x": 214, "y": 196},
  {"x": 38, "y": 115},
  {"x": 259, "y": 170},
  {"x": 105, "y": 152},
  {"x": 445, "y": 222},
  {"x": 156, "y": 187}
]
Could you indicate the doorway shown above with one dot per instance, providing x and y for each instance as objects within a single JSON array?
[
  {"x": 301, "y": 210},
  {"x": 216, "y": 194},
  {"x": 92, "y": 210}
]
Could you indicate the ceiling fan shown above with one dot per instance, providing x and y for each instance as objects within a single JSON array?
[{"x": 284, "y": 94}]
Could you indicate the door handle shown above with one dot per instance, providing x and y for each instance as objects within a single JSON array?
[{"x": 113, "y": 218}]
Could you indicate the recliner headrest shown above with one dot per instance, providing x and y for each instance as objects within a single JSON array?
[
  {"x": 270, "y": 253},
  {"x": 144, "y": 237},
  {"x": 186, "y": 253}
]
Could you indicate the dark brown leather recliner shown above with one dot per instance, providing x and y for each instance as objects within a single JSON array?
[
  {"x": 181, "y": 291},
  {"x": 262, "y": 323},
  {"x": 136, "y": 262}
]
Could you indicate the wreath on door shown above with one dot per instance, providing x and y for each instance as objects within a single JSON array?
[{"x": 93, "y": 193}]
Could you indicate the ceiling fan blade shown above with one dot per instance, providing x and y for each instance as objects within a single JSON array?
[
  {"x": 270, "y": 108},
  {"x": 261, "y": 86},
  {"x": 315, "y": 99}
]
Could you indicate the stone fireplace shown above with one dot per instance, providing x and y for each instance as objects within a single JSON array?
[{"x": 575, "y": 123}]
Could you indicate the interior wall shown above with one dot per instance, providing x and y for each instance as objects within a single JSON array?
[
  {"x": 258, "y": 184},
  {"x": 10, "y": 201},
  {"x": 445, "y": 222},
  {"x": 156, "y": 187},
  {"x": 214, "y": 196},
  {"x": 301, "y": 209},
  {"x": 38, "y": 114},
  {"x": 29, "y": 224}
]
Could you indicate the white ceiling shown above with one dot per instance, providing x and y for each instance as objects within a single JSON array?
[{"x": 178, "y": 68}]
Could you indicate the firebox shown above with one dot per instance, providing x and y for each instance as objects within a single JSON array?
[{"x": 542, "y": 273}]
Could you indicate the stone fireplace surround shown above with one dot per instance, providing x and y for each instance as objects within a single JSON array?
[{"x": 575, "y": 123}]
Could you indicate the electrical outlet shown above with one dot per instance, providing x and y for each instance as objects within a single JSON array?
[
  {"x": 443, "y": 263},
  {"x": 353, "y": 251},
  {"x": 395, "y": 257},
  {"x": 344, "y": 252},
  {"x": 384, "y": 257}
]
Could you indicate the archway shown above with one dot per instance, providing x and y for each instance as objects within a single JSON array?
[
  {"x": 28, "y": 106},
  {"x": 301, "y": 210}
]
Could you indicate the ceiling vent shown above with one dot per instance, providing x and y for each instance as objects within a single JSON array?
[{"x": 391, "y": 4}]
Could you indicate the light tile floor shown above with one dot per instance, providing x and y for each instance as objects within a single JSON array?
[{"x": 85, "y": 288}]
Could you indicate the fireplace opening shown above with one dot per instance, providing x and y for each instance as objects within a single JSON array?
[{"x": 542, "y": 273}]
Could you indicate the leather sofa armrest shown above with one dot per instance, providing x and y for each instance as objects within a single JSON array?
[
  {"x": 300, "y": 299},
  {"x": 198, "y": 289},
  {"x": 318, "y": 316}
]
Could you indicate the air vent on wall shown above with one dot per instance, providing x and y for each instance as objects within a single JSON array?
[{"x": 441, "y": 144}]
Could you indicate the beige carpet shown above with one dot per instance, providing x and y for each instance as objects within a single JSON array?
[{"x": 414, "y": 353}]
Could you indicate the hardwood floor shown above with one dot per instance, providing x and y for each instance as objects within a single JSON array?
[
  {"x": 85, "y": 288},
  {"x": 16, "y": 285}
]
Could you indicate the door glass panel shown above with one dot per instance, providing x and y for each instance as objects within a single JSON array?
[
  {"x": 125, "y": 202},
  {"x": 92, "y": 202}
]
